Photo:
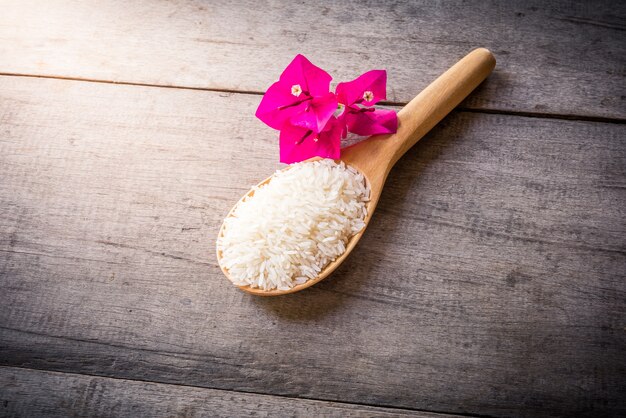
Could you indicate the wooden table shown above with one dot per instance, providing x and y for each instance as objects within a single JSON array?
[{"x": 490, "y": 283}]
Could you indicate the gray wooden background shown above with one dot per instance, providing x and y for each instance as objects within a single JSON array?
[{"x": 490, "y": 283}]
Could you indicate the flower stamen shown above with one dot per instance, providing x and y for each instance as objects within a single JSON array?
[
  {"x": 368, "y": 96},
  {"x": 296, "y": 90}
]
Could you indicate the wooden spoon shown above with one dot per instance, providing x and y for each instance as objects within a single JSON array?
[{"x": 375, "y": 156}]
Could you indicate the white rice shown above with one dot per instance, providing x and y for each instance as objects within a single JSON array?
[{"x": 292, "y": 227}]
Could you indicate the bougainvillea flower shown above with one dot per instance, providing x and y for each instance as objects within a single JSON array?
[
  {"x": 312, "y": 120},
  {"x": 299, "y": 143},
  {"x": 356, "y": 95},
  {"x": 301, "y": 94}
]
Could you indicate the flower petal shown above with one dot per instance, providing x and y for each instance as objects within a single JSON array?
[
  {"x": 278, "y": 105},
  {"x": 380, "y": 121},
  {"x": 318, "y": 113},
  {"x": 367, "y": 89},
  {"x": 299, "y": 144},
  {"x": 311, "y": 79},
  {"x": 330, "y": 138}
]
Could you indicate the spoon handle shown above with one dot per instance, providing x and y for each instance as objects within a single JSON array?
[
  {"x": 429, "y": 107},
  {"x": 378, "y": 154}
]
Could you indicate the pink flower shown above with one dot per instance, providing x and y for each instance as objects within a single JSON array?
[
  {"x": 301, "y": 106},
  {"x": 356, "y": 95}
]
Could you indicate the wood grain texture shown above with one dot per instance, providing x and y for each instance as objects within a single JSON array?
[
  {"x": 557, "y": 57},
  {"x": 34, "y": 393},
  {"x": 490, "y": 281}
]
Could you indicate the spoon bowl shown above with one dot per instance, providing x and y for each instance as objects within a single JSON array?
[
  {"x": 375, "y": 156},
  {"x": 331, "y": 266}
]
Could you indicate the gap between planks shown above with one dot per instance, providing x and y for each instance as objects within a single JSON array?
[
  {"x": 574, "y": 117},
  {"x": 434, "y": 414},
  {"x": 560, "y": 58}
]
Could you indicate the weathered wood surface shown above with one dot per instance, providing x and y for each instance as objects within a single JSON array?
[
  {"x": 491, "y": 280},
  {"x": 34, "y": 393},
  {"x": 558, "y": 57}
]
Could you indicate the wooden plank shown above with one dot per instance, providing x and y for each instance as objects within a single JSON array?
[
  {"x": 557, "y": 57},
  {"x": 35, "y": 393},
  {"x": 491, "y": 280}
]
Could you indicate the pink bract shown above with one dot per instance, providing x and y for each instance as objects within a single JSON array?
[
  {"x": 380, "y": 121},
  {"x": 299, "y": 144},
  {"x": 320, "y": 110},
  {"x": 353, "y": 92}
]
